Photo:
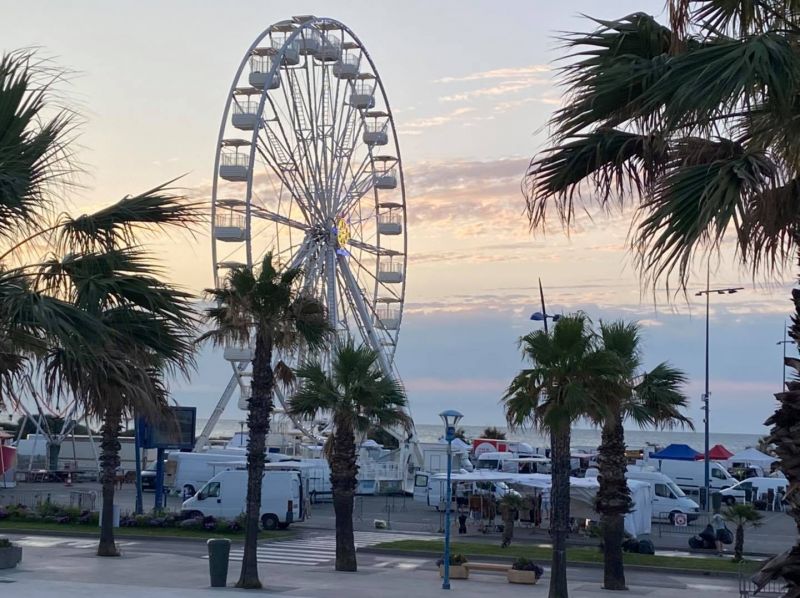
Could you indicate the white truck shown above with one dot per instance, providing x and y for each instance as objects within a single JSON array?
[
  {"x": 225, "y": 496},
  {"x": 690, "y": 475},
  {"x": 756, "y": 488},
  {"x": 668, "y": 499}
]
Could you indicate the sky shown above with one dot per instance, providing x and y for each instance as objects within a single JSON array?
[{"x": 471, "y": 85}]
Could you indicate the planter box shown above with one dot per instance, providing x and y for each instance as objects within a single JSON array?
[
  {"x": 524, "y": 577},
  {"x": 456, "y": 572},
  {"x": 10, "y": 557}
]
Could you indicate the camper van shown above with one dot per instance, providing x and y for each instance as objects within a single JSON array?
[
  {"x": 225, "y": 496},
  {"x": 755, "y": 488},
  {"x": 690, "y": 475},
  {"x": 668, "y": 498}
]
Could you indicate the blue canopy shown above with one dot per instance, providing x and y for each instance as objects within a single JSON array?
[{"x": 678, "y": 452}]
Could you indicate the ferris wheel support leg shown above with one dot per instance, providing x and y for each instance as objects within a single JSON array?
[
  {"x": 363, "y": 313},
  {"x": 233, "y": 384}
]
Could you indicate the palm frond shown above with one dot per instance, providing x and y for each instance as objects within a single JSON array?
[
  {"x": 610, "y": 164},
  {"x": 119, "y": 224}
]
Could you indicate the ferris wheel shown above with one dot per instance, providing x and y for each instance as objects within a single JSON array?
[{"x": 308, "y": 167}]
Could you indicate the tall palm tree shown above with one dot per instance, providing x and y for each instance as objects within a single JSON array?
[
  {"x": 493, "y": 433},
  {"x": 694, "y": 123},
  {"x": 648, "y": 399},
  {"x": 559, "y": 388},
  {"x": 266, "y": 308},
  {"x": 741, "y": 515},
  {"x": 359, "y": 397},
  {"x": 151, "y": 332}
]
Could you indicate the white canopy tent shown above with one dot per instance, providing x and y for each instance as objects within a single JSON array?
[
  {"x": 751, "y": 456},
  {"x": 582, "y": 494}
]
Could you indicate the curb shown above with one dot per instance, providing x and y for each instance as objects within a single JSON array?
[
  {"x": 494, "y": 559},
  {"x": 83, "y": 534}
]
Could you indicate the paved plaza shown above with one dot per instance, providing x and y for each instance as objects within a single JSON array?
[{"x": 67, "y": 567}]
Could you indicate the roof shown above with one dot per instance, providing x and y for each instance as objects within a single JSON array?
[
  {"x": 678, "y": 452},
  {"x": 717, "y": 453},
  {"x": 751, "y": 455}
]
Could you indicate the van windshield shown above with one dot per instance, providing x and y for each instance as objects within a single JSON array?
[
  {"x": 487, "y": 464},
  {"x": 675, "y": 490}
]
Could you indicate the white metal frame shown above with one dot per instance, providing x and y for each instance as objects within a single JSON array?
[{"x": 309, "y": 168}]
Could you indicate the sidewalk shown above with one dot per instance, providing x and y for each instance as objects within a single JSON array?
[{"x": 70, "y": 569}]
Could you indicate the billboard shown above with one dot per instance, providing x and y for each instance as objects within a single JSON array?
[{"x": 174, "y": 432}]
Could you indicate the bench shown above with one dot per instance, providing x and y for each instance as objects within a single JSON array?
[{"x": 494, "y": 567}]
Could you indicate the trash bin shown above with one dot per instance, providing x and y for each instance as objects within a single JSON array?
[{"x": 219, "y": 549}]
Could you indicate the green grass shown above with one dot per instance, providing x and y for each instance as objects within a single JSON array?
[
  {"x": 154, "y": 532},
  {"x": 472, "y": 550}
]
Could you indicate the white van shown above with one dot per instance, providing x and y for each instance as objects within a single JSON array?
[
  {"x": 690, "y": 476},
  {"x": 758, "y": 487},
  {"x": 187, "y": 472},
  {"x": 225, "y": 496},
  {"x": 432, "y": 491},
  {"x": 668, "y": 498}
]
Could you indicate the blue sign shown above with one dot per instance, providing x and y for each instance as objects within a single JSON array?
[{"x": 176, "y": 431}]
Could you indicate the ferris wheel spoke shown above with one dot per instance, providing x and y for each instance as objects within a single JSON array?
[{"x": 264, "y": 214}]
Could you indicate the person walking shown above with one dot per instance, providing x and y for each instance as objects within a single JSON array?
[{"x": 718, "y": 523}]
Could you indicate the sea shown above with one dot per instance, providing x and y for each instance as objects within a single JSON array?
[{"x": 582, "y": 438}]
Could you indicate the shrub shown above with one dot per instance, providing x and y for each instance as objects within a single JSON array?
[
  {"x": 523, "y": 564},
  {"x": 5, "y": 543},
  {"x": 191, "y": 523},
  {"x": 209, "y": 523},
  {"x": 456, "y": 560}
]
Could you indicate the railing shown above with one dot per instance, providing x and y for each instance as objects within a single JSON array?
[
  {"x": 260, "y": 64},
  {"x": 230, "y": 220},
  {"x": 387, "y": 313},
  {"x": 231, "y": 159},
  {"x": 390, "y": 218},
  {"x": 748, "y": 589},
  {"x": 245, "y": 107},
  {"x": 351, "y": 59},
  {"x": 364, "y": 87},
  {"x": 390, "y": 267},
  {"x": 667, "y": 528},
  {"x": 329, "y": 45},
  {"x": 376, "y": 127}
]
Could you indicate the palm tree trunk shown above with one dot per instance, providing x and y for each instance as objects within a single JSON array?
[
  {"x": 259, "y": 410},
  {"x": 109, "y": 461},
  {"x": 738, "y": 547},
  {"x": 613, "y": 501},
  {"x": 559, "y": 499},
  {"x": 783, "y": 433},
  {"x": 343, "y": 482}
]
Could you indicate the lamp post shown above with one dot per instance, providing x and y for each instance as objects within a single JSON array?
[
  {"x": 450, "y": 418},
  {"x": 784, "y": 342},
  {"x": 706, "y": 394},
  {"x": 543, "y": 316}
]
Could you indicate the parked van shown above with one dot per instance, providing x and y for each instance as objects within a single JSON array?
[
  {"x": 433, "y": 491},
  {"x": 225, "y": 496},
  {"x": 755, "y": 488},
  {"x": 187, "y": 472},
  {"x": 668, "y": 498},
  {"x": 690, "y": 475}
]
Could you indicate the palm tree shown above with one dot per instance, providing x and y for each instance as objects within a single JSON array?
[
  {"x": 741, "y": 515},
  {"x": 694, "y": 123},
  {"x": 558, "y": 389},
  {"x": 359, "y": 396},
  {"x": 264, "y": 307},
  {"x": 494, "y": 433},
  {"x": 649, "y": 399}
]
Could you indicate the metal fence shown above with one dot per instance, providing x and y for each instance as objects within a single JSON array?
[
  {"x": 747, "y": 589},
  {"x": 79, "y": 499},
  {"x": 667, "y": 527}
]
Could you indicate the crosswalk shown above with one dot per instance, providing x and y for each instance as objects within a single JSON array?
[
  {"x": 51, "y": 541},
  {"x": 315, "y": 550}
]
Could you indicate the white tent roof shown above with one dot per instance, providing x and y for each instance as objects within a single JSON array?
[
  {"x": 751, "y": 455},
  {"x": 480, "y": 475}
]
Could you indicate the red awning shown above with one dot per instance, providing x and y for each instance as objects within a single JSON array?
[{"x": 717, "y": 453}]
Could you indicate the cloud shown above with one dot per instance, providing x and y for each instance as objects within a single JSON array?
[
  {"x": 503, "y": 73},
  {"x": 432, "y": 121},
  {"x": 511, "y": 86}
]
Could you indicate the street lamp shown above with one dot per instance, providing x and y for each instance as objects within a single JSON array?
[
  {"x": 784, "y": 342},
  {"x": 707, "y": 293},
  {"x": 543, "y": 316},
  {"x": 451, "y": 417}
]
